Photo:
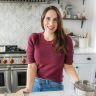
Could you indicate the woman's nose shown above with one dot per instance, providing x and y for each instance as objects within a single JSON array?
[{"x": 51, "y": 22}]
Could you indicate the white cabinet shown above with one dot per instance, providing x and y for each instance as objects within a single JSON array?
[
  {"x": 85, "y": 71},
  {"x": 84, "y": 58},
  {"x": 84, "y": 65}
]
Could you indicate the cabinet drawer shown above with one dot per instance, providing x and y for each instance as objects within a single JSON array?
[{"x": 87, "y": 58}]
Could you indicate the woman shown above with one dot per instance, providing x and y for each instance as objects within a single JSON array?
[{"x": 48, "y": 53}]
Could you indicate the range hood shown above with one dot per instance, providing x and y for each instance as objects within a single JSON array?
[
  {"x": 27, "y": 0},
  {"x": 34, "y": 1}
]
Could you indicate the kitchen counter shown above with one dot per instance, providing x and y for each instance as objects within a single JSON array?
[
  {"x": 50, "y": 93},
  {"x": 54, "y": 93},
  {"x": 88, "y": 50}
]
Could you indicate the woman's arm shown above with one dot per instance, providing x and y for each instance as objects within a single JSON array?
[
  {"x": 70, "y": 70},
  {"x": 31, "y": 74}
]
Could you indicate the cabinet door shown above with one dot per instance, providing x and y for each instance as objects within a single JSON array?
[
  {"x": 84, "y": 59},
  {"x": 85, "y": 71}
]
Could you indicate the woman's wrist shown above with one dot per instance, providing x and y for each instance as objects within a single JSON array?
[{"x": 28, "y": 89}]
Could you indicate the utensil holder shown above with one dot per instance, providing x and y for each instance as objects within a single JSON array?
[{"x": 83, "y": 42}]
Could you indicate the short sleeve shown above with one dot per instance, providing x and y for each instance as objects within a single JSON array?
[
  {"x": 30, "y": 49},
  {"x": 70, "y": 51}
]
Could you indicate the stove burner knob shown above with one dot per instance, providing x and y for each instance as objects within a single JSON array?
[
  {"x": 23, "y": 61},
  {"x": 11, "y": 61},
  {"x": 4, "y": 61}
]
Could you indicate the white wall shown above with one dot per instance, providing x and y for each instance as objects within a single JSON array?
[
  {"x": 93, "y": 36},
  {"x": 19, "y": 20}
]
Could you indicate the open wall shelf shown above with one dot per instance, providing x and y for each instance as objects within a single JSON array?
[{"x": 82, "y": 20}]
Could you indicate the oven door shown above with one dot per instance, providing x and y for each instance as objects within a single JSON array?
[
  {"x": 18, "y": 78},
  {"x": 5, "y": 80}
]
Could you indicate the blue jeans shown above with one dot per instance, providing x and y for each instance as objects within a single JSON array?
[{"x": 46, "y": 85}]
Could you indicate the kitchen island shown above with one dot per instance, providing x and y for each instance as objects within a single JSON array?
[{"x": 49, "y": 93}]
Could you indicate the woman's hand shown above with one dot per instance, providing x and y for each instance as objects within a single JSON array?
[{"x": 26, "y": 90}]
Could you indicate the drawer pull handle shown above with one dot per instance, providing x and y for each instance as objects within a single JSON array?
[
  {"x": 76, "y": 67},
  {"x": 88, "y": 58}
]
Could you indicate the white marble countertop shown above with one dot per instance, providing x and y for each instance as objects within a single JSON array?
[
  {"x": 88, "y": 50},
  {"x": 54, "y": 93},
  {"x": 49, "y": 93}
]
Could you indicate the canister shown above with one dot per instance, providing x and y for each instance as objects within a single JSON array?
[{"x": 83, "y": 42}]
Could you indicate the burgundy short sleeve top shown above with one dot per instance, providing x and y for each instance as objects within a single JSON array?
[{"x": 50, "y": 64}]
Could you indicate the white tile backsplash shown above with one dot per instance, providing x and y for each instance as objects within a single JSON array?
[{"x": 17, "y": 21}]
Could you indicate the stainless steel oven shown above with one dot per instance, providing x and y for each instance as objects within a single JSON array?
[
  {"x": 18, "y": 77},
  {"x": 13, "y": 66},
  {"x": 5, "y": 79}
]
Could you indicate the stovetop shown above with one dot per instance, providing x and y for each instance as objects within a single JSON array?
[
  {"x": 12, "y": 54},
  {"x": 11, "y": 49}
]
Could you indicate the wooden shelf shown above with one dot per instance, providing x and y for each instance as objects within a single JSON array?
[
  {"x": 82, "y": 20},
  {"x": 74, "y": 19}
]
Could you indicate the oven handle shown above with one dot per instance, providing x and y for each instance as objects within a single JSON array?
[
  {"x": 7, "y": 76},
  {"x": 4, "y": 69},
  {"x": 18, "y": 69}
]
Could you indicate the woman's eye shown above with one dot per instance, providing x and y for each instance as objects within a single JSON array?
[
  {"x": 48, "y": 18},
  {"x": 54, "y": 19}
]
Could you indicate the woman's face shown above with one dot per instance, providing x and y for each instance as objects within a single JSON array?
[{"x": 50, "y": 21}]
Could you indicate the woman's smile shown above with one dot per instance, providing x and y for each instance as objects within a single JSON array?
[{"x": 50, "y": 28}]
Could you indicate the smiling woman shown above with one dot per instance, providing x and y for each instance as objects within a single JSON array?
[
  {"x": 50, "y": 22},
  {"x": 48, "y": 53}
]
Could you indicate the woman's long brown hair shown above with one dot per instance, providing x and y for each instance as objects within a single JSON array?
[{"x": 60, "y": 36}]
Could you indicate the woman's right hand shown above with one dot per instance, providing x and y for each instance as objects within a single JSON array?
[{"x": 26, "y": 90}]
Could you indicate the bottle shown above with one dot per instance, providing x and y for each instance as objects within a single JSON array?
[
  {"x": 79, "y": 15},
  {"x": 83, "y": 14},
  {"x": 69, "y": 10},
  {"x": 61, "y": 11}
]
